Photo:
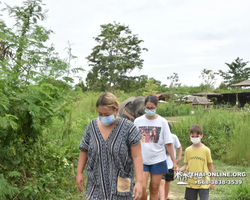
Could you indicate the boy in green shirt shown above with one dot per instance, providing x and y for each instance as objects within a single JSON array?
[{"x": 198, "y": 163}]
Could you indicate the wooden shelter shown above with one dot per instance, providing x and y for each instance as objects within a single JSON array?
[
  {"x": 196, "y": 100},
  {"x": 201, "y": 101},
  {"x": 207, "y": 94},
  {"x": 245, "y": 83}
]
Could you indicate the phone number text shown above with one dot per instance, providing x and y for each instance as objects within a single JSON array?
[{"x": 219, "y": 182}]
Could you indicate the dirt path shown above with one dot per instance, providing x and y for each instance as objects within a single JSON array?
[
  {"x": 176, "y": 191},
  {"x": 172, "y": 196}
]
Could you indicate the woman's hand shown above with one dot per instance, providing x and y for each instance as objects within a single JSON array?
[
  {"x": 80, "y": 181},
  {"x": 137, "y": 192},
  {"x": 175, "y": 166}
]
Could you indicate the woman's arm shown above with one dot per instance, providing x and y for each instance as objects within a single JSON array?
[
  {"x": 170, "y": 149},
  {"x": 137, "y": 160},
  {"x": 81, "y": 165}
]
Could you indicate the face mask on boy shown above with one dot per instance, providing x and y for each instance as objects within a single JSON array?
[
  {"x": 195, "y": 140},
  {"x": 107, "y": 120}
]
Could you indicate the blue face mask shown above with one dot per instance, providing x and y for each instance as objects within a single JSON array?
[
  {"x": 150, "y": 112},
  {"x": 107, "y": 120}
]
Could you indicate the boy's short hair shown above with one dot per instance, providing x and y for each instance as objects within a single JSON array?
[{"x": 196, "y": 129}]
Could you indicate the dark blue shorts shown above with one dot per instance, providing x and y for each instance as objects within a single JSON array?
[{"x": 158, "y": 168}]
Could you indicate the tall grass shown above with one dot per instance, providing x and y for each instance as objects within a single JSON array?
[
  {"x": 240, "y": 192},
  {"x": 122, "y": 96},
  {"x": 171, "y": 109},
  {"x": 226, "y": 133},
  {"x": 240, "y": 143}
]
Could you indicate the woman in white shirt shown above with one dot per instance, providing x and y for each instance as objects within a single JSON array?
[{"x": 155, "y": 136}]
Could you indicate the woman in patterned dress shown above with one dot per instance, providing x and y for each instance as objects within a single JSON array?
[{"x": 112, "y": 147}]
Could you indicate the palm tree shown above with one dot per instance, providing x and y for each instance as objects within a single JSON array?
[
  {"x": 178, "y": 175},
  {"x": 181, "y": 176},
  {"x": 185, "y": 177}
]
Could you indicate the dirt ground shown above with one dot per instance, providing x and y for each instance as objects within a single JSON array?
[{"x": 172, "y": 196}]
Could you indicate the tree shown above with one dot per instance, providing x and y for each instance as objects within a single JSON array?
[
  {"x": 117, "y": 54},
  {"x": 208, "y": 79},
  {"x": 32, "y": 69},
  {"x": 31, "y": 58},
  {"x": 33, "y": 94},
  {"x": 221, "y": 88},
  {"x": 160, "y": 87},
  {"x": 174, "y": 84},
  {"x": 151, "y": 87},
  {"x": 5, "y": 51},
  {"x": 238, "y": 71},
  {"x": 174, "y": 80},
  {"x": 136, "y": 84},
  {"x": 82, "y": 86}
]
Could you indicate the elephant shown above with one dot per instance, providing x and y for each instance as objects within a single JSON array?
[{"x": 132, "y": 108}]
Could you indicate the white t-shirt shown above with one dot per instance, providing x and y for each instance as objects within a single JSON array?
[
  {"x": 176, "y": 145},
  {"x": 155, "y": 135}
]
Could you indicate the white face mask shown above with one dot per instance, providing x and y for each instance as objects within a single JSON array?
[{"x": 195, "y": 140}]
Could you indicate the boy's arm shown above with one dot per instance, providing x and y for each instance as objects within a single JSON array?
[
  {"x": 183, "y": 168},
  {"x": 179, "y": 155},
  {"x": 211, "y": 170}
]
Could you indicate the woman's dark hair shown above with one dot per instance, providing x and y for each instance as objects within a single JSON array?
[
  {"x": 170, "y": 127},
  {"x": 151, "y": 98}
]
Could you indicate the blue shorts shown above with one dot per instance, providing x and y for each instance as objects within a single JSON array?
[{"x": 158, "y": 168}]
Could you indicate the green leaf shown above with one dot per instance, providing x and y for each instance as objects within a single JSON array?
[{"x": 14, "y": 174}]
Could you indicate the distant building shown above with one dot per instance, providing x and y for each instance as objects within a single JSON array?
[
  {"x": 196, "y": 100},
  {"x": 225, "y": 98}
]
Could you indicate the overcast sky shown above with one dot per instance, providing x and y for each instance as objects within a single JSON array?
[{"x": 182, "y": 36}]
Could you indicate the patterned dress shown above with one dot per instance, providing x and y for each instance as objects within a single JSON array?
[{"x": 109, "y": 159}]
